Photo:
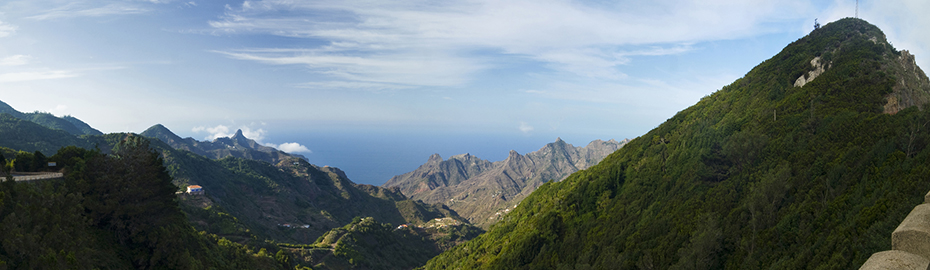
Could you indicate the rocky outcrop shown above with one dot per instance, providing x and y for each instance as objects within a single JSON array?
[
  {"x": 911, "y": 88},
  {"x": 483, "y": 191},
  {"x": 819, "y": 68}
]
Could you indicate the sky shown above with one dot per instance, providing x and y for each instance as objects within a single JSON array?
[{"x": 375, "y": 87}]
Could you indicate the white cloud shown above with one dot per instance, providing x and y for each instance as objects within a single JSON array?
[
  {"x": 293, "y": 147},
  {"x": 6, "y": 29},
  {"x": 525, "y": 128},
  {"x": 222, "y": 131},
  {"x": 419, "y": 43},
  {"x": 392, "y": 71},
  {"x": 36, "y": 75},
  {"x": 258, "y": 135},
  {"x": 84, "y": 9},
  {"x": 15, "y": 60}
]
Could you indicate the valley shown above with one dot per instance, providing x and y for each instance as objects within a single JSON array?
[{"x": 808, "y": 161}]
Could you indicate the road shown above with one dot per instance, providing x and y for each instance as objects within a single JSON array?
[{"x": 18, "y": 177}]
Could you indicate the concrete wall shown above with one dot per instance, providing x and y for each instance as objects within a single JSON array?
[{"x": 910, "y": 243}]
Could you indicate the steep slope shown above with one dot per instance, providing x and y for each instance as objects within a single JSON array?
[
  {"x": 367, "y": 244},
  {"x": 259, "y": 195},
  {"x": 109, "y": 212},
  {"x": 481, "y": 190},
  {"x": 235, "y": 146},
  {"x": 763, "y": 173},
  {"x": 28, "y": 136},
  {"x": 67, "y": 123}
]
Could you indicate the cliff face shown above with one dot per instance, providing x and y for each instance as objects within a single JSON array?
[
  {"x": 912, "y": 87},
  {"x": 483, "y": 191}
]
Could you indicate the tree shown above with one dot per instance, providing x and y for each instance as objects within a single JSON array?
[
  {"x": 39, "y": 161},
  {"x": 23, "y": 162},
  {"x": 132, "y": 195},
  {"x": 3, "y": 170},
  {"x": 283, "y": 259}
]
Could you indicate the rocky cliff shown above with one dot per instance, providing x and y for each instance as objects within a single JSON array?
[{"x": 483, "y": 191}]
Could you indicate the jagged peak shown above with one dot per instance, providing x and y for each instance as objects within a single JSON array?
[
  {"x": 462, "y": 156},
  {"x": 238, "y": 134},
  {"x": 434, "y": 158}
]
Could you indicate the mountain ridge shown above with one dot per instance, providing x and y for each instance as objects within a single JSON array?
[
  {"x": 762, "y": 173},
  {"x": 480, "y": 190},
  {"x": 67, "y": 123},
  {"x": 236, "y": 146}
]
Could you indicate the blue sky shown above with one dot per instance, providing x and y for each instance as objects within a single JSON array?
[{"x": 302, "y": 75}]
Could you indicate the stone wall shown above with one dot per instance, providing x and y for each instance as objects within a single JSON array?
[{"x": 910, "y": 243}]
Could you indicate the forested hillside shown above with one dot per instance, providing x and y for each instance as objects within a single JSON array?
[
  {"x": 113, "y": 211},
  {"x": 249, "y": 204},
  {"x": 67, "y": 123},
  {"x": 766, "y": 173}
]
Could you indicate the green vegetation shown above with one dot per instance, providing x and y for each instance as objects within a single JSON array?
[
  {"x": 67, "y": 123},
  {"x": 114, "y": 211},
  {"x": 367, "y": 244},
  {"x": 28, "y": 136},
  {"x": 760, "y": 174},
  {"x": 246, "y": 203}
]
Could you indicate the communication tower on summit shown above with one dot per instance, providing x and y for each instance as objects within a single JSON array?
[
  {"x": 857, "y": 9},
  {"x": 816, "y": 24}
]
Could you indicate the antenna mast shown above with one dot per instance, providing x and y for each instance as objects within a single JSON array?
[{"x": 857, "y": 9}]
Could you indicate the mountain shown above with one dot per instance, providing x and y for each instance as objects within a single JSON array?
[
  {"x": 368, "y": 244},
  {"x": 115, "y": 211},
  {"x": 809, "y": 161},
  {"x": 248, "y": 201},
  {"x": 236, "y": 146},
  {"x": 67, "y": 123},
  {"x": 482, "y": 191},
  {"x": 29, "y": 136}
]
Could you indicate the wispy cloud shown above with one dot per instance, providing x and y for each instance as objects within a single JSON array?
[
  {"x": 525, "y": 128},
  {"x": 84, "y": 9},
  {"x": 428, "y": 44},
  {"x": 6, "y": 29},
  {"x": 15, "y": 60},
  {"x": 36, "y": 75}
]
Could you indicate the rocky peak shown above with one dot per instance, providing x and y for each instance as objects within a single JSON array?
[
  {"x": 435, "y": 158},
  {"x": 238, "y": 135}
]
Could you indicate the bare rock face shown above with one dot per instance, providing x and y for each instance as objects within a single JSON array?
[
  {"x": 819, "y": 68},
  {"x": 912, "y": 87},
  {"x": 482, "y": 191}
]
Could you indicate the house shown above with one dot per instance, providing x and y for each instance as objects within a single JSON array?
[{"x": 194, "y": 190}]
